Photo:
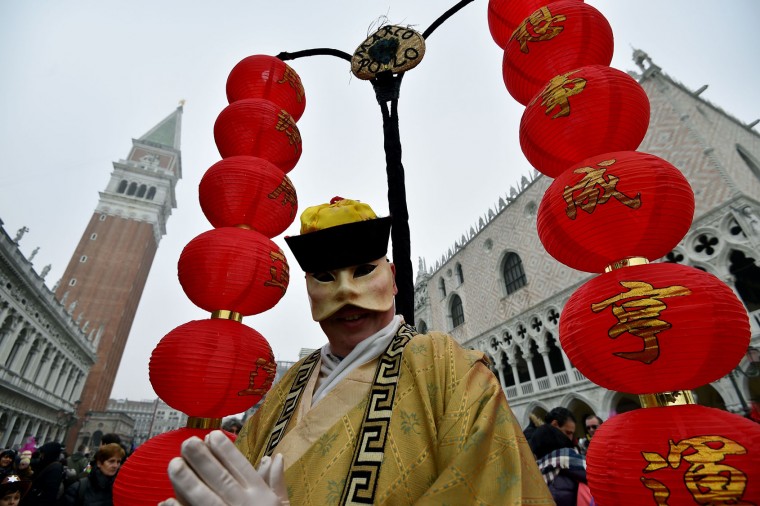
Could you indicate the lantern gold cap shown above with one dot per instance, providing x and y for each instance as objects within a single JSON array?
[
  {"x": 626, "y": 262},
  {"x": 664, "y": 399}
]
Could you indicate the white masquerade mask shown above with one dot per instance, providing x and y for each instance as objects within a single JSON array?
[{"x": 368, "y": 286}]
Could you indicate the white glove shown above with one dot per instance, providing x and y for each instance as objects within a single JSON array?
[{"x": 215, "y": 473}]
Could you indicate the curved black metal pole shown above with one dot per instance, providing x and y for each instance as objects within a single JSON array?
[
  {"x": 443, "y": 17},
  {"x": 317, "y": 51}
]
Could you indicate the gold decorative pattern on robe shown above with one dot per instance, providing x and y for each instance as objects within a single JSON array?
[{"x": 452, "y": 438}]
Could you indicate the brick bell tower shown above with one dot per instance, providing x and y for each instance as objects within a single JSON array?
[{"x": 105, "y": 278}]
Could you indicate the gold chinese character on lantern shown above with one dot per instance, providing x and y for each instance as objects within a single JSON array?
[
  {"x": 269, "y": 368},
  {"x": 279, "y": 279},
  {"x": 290, "y": 77},
  {"x": 595, "y": 188},
  {"x": 638, "y": 311},
  {"x": 537, "y": 27},
  {"x": 708, "y": 479},
  {"x": 286, "y": 124},
  {"x": 288, "y": 194},
  {"x": 557, "y": 92}
]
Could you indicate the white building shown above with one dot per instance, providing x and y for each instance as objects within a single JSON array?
[
  {"x": 151, "y": 417},
  {"x": 498, "y": 290},
  {"x": 44, "y": 355}
]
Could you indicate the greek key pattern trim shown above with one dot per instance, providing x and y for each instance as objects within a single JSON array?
[
  {"x": 361, "y": 481},
  {"x": 291, "y": 401}
]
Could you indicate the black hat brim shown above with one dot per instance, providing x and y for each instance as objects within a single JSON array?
[{"x": 341, "y": 246}]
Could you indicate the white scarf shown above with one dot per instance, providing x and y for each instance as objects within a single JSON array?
[{"x": 333, "y": 370}]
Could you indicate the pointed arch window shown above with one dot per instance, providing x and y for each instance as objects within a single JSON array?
[
  {"x": 142, "y": 190},
  {"x": 122, "y": 186},
  {"x": 422, "y": 327},
  {"x": 151, "y": 193},
  {"x": 132, "y": 189},
  {"x": 459, "y": 273},
  {"x": 457, "y": 311},
  {"x": 442, "y": 288},
  {"x": 514, "y": 274},
  {"x": 746, "y": 279}
]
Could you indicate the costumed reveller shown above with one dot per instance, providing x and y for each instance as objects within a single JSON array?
[{"x": 380, "y": 414}]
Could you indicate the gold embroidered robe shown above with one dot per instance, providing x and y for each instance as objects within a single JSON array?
[{"x": 452, "y": 439}]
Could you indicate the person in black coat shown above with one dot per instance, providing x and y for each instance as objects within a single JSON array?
[
  {"x": 6, "y": 462},
  {"x": 562, "y": 467},
  {"x": 96, "y": 489},
  {"x": 47, "y": 482}
]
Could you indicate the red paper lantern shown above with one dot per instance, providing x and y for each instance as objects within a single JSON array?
[
  {"x": 233, "y": 269},
  {"x": 258, "y": 127},
  {"x": 505, "y": 15},
  {"x": 143, "y": 480},
  {"x": 654, "y": 328},
  {"x": 675, "y": 455},
  {"x": 264, "y": 76},
  {"x": 590, "y": 110},
  {"x": 614, "y": 206},
  {"x": 554, "y": 39},
  {"x": 245, "y": 190},
  {"x": 212, "y": 368}
]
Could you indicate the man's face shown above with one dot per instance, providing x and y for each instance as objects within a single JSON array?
[
  {"x": 6, "y": 460},
  {"x": 568, "y": 428},
  {"x": 352, "y": 303},
  {"x": 592, "y": 424}
]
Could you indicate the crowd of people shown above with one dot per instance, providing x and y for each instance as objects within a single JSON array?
[
  {"x": 560, "y": 456},
  {"x": 47, "y": 476}
]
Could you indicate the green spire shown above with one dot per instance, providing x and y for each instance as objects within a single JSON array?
[{"x": 166, "y": 132}]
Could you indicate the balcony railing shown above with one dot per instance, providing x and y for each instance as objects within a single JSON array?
[
  {"x": 20, "y": 384},
  {"x": 544, "y": 384},
  {"x": 526, "y": 388}
]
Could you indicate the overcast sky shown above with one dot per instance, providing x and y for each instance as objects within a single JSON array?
[{"x": 80, "y": 79}]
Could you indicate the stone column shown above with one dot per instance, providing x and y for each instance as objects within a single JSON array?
[
  {"x": 529, "y": 360},
  {"x": 53, "y": 372},
  {"x": 44, "y": 435},
  {"x": 545, "y": 356},
  {"x": 10, "y": 338},
  {"x": 500, "y": 371},
  {"x": 36, "y": 428},
  {"x": 568, "y": 365},
  {"x": 25, "y": 421},
  {"x": 41, "y": 364},
  {"x": 9, "y": 429},
  {"x": 514, "y": 370},
  {"x": 66, "y": 393},
  {"x": 62, "y": 374}
]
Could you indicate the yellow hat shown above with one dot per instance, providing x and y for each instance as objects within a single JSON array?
[
  {"x": 339, "y": 234},
  {"x": 339, "y": 211}
]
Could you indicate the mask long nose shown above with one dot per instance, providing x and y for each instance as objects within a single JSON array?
[{"x": 346, "y": 290}]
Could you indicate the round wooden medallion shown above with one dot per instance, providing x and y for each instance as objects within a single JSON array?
[{"x": 391, "y": 48}]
